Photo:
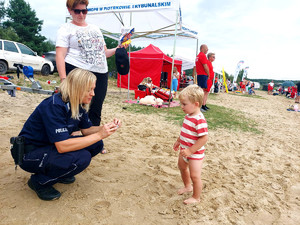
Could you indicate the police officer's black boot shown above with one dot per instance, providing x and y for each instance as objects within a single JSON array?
[
  {"x": 67, "y": 180},
  {"x": 46, "y": 193}
]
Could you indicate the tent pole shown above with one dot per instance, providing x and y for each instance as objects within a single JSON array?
[
  {"x": 129, "y": 60},
  {"x": 120, "y": 83},
  {"x": 197, "y": 47},
  {"x": 194, "y": 69},
  {"x": 174, "y": 46}
]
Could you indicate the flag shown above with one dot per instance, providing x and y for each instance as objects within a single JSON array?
[
  {"x": 237, "y": 71},
  {"x": 245, "y": 72}
]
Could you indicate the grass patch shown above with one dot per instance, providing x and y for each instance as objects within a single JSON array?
[
  {"x": 40, "y": 78},
  {"x": 247, "y": 96},
  {"x": 221, "y": 117},
  {"x": 217, "y": 117}
]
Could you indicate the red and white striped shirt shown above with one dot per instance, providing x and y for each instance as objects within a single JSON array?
[{"x": 193, "y": 127}]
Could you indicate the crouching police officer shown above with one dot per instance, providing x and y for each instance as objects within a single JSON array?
[{"x": 45, "y": 146}]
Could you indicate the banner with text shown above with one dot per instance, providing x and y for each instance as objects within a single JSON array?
[{"x": 106, "y": 6}]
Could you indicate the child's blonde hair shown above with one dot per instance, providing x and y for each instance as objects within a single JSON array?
[
  {"x": 74, "y": 87},
  {"x": 193, "y": 92}
]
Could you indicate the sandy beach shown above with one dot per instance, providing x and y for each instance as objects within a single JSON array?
[{"x": 248, "y": 178}]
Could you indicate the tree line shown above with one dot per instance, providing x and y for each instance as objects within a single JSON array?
[{"x": 19, "y": 23}]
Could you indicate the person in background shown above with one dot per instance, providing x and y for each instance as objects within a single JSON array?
[
  {"x": 144, "y": 84},
  {"x": 202, "y": 73},
  {"x": 175, "y": 79},
  {"x": 280, "y": 90},
  {"x": 247, "y": 85},
  {"x": 52, "y": 154},
  {"x": 251, "y": 90},
  {"x": 270, "y": 87},
  {"x": 193, "y": 137},
  {"x": 240, "y": 86},
  {"x": 243, "y": 86},
  {"x": 150, "y": 85},
  {"x": 288, "y": 92},
  {"x": 297, "y": 99},
  {"x": 147, "y": 85},
  {"x": 211, "y": 58}
]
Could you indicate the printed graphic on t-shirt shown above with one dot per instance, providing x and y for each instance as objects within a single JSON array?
[{"x": 91, "y": 46}]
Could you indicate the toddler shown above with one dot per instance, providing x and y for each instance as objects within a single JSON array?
[{"x": 193, "y": 136}]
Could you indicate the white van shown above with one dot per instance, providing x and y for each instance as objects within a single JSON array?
[{"x": 16, "y": 53}]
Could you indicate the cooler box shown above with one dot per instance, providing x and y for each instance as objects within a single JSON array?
[
  {"x": 138, "y": 93},
  {"x": 163, "y": 94}
]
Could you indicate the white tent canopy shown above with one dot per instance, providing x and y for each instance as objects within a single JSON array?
[
  {"x": 152, "y": 19},
  {"x": 186, "y": 63}
]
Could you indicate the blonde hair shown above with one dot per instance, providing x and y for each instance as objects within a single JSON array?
[
  {"x": 71, "y": 4},
  {"x": 193, "y": 92},
  {"x": 175, "y": 69},
  {"x": 146, "y": 80},
  {"x": 74, "y": 87}
]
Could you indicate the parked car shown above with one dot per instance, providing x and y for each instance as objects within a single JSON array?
[
  {"x": 51, "y": 56},
  {"x": 16, "y": 53}
]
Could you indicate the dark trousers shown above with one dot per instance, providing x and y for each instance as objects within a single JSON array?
[
  {"x": 98, "y": 99},
  {"x": 48, "y": 166}
]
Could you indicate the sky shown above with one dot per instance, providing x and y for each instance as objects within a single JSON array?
[{"x": 265, "y": 34}]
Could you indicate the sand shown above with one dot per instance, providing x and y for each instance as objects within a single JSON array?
[{"x": 248, "y": 178}]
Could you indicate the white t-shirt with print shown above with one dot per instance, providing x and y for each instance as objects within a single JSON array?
[{"x": 85, "y": 46}]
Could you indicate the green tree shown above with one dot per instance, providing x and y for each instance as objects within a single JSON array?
[
  {"x": 27, "y": 26},
  {"x": 48, "y": 45},
  {"x": 229, "y": 77},
  {"x": 240, "y": 76},
  {"x": 8, "y": 34},
  {"x": 189, "y": 72},
  {"x": 111, "y": 43},
  {"x": 2, "y": 10}
]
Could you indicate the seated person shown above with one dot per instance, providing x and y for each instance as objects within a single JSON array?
[
  {"x": 147, "y": 83},
  {"x": 142, "y": 86}
]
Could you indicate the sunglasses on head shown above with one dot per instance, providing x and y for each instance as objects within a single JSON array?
[{"x": 78, "y": 11}]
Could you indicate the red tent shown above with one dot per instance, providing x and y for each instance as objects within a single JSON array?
[{"x": 148, "y": 62}]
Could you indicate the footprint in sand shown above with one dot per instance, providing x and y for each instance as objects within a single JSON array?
[{"x": 103, "y": 207}]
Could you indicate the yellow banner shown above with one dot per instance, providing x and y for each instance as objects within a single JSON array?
[{"x": 224, "y": 80}]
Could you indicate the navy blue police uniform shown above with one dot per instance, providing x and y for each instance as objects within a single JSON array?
[{"x": 49, "y": 123}]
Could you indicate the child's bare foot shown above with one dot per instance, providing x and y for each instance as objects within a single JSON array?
[
  {"x": 191, "y": 201},
  {"x": 185, "y": 189}
]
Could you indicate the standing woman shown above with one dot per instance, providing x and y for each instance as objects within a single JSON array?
[
  {"x": 51, "y": 154},
  {"x": 210, "y": 59},
  {"x": 175, "y": 79},
  {"x": 297, "y": 99},
  {"x": 82, "y": 45}
]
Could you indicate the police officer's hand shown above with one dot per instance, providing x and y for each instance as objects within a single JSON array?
[
  {"x": 107, "y": 130},
  {"x": 117, "y": 122}
]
